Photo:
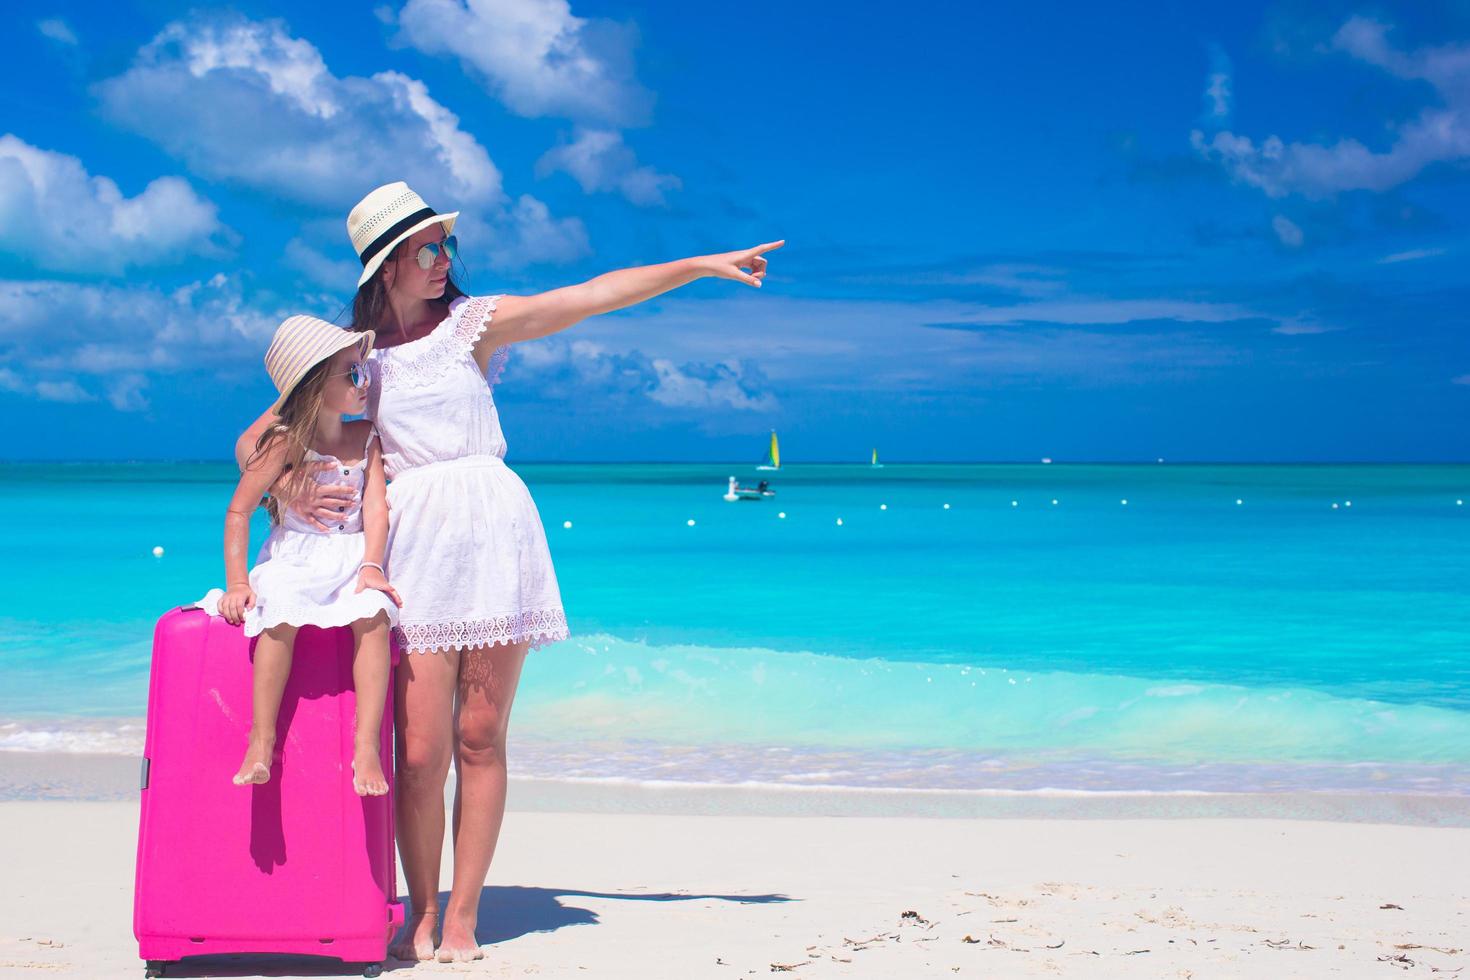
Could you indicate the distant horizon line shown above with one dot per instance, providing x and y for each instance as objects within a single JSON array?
[{"x": 835, "y": 462}]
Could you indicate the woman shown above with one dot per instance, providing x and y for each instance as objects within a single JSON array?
[{"x": 466, "y": 549}]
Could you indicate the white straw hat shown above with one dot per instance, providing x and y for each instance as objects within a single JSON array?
[
  {"x": 386, "y": 217},
  {"x": 300, "y": 344}
]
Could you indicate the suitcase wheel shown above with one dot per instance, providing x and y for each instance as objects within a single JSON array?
[{"x": 154, "y": 968}]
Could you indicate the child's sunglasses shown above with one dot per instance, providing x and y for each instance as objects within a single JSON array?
[
  {"x": 357, "y": 374},
  {"x": 430, "y": 252}
]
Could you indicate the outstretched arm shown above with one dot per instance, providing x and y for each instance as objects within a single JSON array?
[{"x": 521, "y": 318}]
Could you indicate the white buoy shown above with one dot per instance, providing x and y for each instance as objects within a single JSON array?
[
  {"x": 1334, "y": 507},
  {"x": 1347, "y": 503},
  {"x": 1053, "y": 501},
  {"x": 839, "y": 522},
  {"x": 882, "y": 506},
  {"x": 1459, "y": 503},
  {"x": 690, "y": 522},
  {"x": 946, "y": 506},
  {"x": 1238, "y": 501},
  {"x": 158, "y": 551},
  {"x": 567, "y": 525},
  {"x": 1124, "y": 502},
  {"x": 782, "y": 515},
  {"x": 1014, "y": 504}
]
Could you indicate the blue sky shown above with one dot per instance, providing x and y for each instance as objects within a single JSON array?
[{"x": 1014, "y": 231}]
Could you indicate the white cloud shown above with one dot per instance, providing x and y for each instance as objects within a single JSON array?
[
  {"x": 245, "y": 102},
  {"x": 536, "y": 56},
  {"x": 1022, "y": 278},
  {"x": 1287, "y": 231},
  {"x": 330, "y": 273},
  {"x": 599, "y": 160},
  {"x": 126, "y": 393},
  {"x": 115, "y": 337},
  {"x": 1438, "y": 134},
  {"x": 562, "y": 368},
  {"x": 1217, "y": 86},
  {"x": 57, "y": 30},
  {"x": 48, "y": 391},
  {"x": 1463, "y": 379},
  {"x": 1412, "y": 255},
  {"x": 863, "y": 347},
  {"x": 697, "y": 386},
  {"x": 533, "y": 235},
  {"x": 55, "y": 216}
]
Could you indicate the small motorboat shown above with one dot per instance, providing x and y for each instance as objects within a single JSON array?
[{"x": 760, "y": 491}]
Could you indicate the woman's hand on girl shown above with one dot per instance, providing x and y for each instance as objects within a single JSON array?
[
  {"x": 321, "y": 504},
  {"x": 747, "y": 265},
  {"x": 236, "y": 600},
  {"x": 371, "y": 578}
]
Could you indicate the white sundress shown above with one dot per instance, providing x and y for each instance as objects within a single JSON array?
[
  {"x": 307, "y": 577},
  {"x": 466, "y": 549}
]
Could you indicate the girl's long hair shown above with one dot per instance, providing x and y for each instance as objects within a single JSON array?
[
  {"x": 296, "y": 425},
  {"x": 370, "y": 305}
]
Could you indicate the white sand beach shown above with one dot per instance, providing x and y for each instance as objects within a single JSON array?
[{"x": 628, "y": 882}]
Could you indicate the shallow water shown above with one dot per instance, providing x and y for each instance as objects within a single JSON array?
[{"x": 1180, "y": 641}]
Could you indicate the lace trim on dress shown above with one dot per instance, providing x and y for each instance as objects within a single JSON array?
[
  {"x": 467, "y": 320},
  {"x": 536, "y": 625},
  {"x": 474, "y": 320}
]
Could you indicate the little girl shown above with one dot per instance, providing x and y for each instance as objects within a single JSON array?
[{"x": 305, "y": 576}]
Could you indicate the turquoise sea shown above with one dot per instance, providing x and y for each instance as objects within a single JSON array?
[{"x": 1011, "y": 628}]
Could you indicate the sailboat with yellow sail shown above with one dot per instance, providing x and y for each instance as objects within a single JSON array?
[
  {"x": 773, "y": 455},
  {"x": 875, "y": 464}
]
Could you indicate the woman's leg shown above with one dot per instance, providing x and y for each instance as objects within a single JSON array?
[
  {"x": 424, "y": 740},
  {"x": 270, "y": 672},
  {"x": 487, "y": 685},
  {"x": 370, "y": 663}
]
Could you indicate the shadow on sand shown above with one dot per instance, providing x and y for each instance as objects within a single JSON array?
[{"x": 510, "y": 911}]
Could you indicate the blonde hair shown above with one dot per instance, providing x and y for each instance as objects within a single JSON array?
[{"x": 295, "y": 427}]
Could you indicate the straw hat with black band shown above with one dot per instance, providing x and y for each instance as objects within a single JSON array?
[
  {"x": 300, "y": 344},
  {"x": 386, "y": 217}
]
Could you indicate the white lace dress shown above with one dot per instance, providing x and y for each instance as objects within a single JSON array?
[
  {"x": 306, "y": 577},
  {"x": 466, "y": 549}
]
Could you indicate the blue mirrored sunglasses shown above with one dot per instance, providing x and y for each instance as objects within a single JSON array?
[
  {"x": 430, "y": 252},
  {"x": 357, "y": 374}
]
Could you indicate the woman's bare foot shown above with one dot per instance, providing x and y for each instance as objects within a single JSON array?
[
  {"x": 458, "y": 944},
  {"x": 367, "y": 772},
  {"x": 256, "y": 767},
  {"x": 417, "y": 943}
]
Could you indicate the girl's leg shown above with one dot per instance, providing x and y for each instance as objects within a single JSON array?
[
  {"x": 370, "y": 663},
  {"x": 272, "y": 669},
  {"x": 487, "y": 685},
  {"x": 424, "y": 739}
]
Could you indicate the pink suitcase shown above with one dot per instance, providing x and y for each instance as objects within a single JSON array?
[{"x": 299, "y": 865}]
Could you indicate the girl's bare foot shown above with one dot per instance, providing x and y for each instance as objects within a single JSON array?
[
  {"x": 367, "y": 772},
  {"x": 417, "y": 943},
  {"x": 458, "y": 944},
  {"x": 256, "y": 768}
]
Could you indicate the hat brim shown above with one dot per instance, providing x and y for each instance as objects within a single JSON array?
[
  {"x": 350, "y": 338},
  {"x": 376, "y": 262}
]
